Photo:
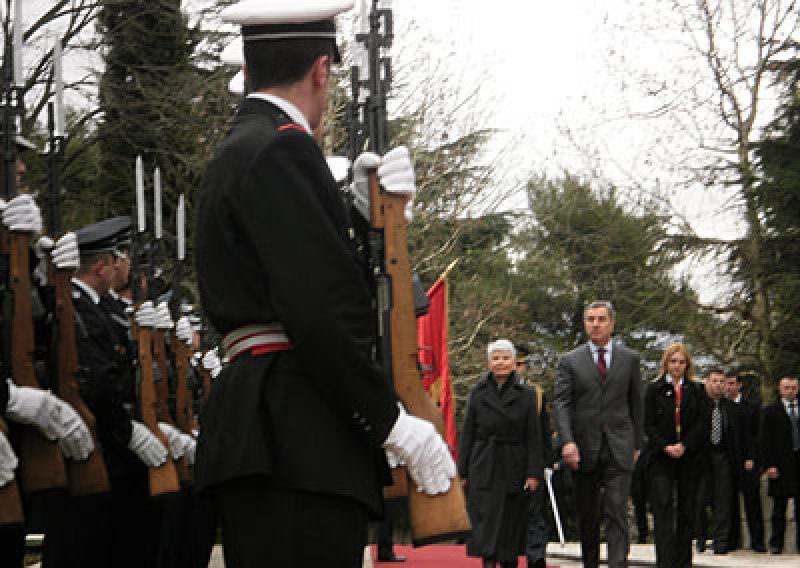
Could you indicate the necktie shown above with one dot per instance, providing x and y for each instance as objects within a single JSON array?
[
  {"x": 678, "y": 396},
  {"x": 601, "y": 363},
  {"x": 716, "y": 424},
  {"x": 795, "y": 426}
]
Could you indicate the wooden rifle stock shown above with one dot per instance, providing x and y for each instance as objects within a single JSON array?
[
  {"x": 164, "y": 478},
  {"x": 89, "y": 476},
  {"x": 433, "y": 517},
  {"x": 10, "y": 502},
  {"x": 41, "y": 463},
  {"x": 183, "y": 401},
  {"x": 162, "y": 395}
]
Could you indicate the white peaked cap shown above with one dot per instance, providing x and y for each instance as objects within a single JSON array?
[
  {"x": 236, "y": 84},
  {"x": 339, "y": 166},
  {"x": 234, "y": 53},
  {"x": 263, "y": 12}
]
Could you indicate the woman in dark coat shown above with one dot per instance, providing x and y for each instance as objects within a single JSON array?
[
  {"x": 676, "y": 423},
  {"x": 500, "y": 459}
]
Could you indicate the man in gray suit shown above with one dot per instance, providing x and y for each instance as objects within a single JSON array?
[{"x": 599, "y": 414}]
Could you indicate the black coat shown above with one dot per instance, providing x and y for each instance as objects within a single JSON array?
[
  {"x": 776, "y": 451},
  {"x": 272, "y": 245},
  {"x": 660, "y": 427},
  {"x": 736, "y": 436},
  {"x": 500, "y": 447},
  {"x": 104, "y": 377}
]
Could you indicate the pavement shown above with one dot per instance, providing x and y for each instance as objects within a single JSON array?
[{"x": 569, "y": 556}]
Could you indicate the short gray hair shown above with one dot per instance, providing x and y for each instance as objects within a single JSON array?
[
  {"x": 601, "y": 304},
  {"x": 501, "y": 345}
]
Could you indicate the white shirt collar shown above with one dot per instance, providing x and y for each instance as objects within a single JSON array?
[
  {"x": 738, "y": 398},
  {"x": 786, "y": 404},
  {"x": 668, "y": 378},
  {"x": 87, "y": 289},
  {"x": 113, "y": 294},
  {"x": 287, "y": 107}
]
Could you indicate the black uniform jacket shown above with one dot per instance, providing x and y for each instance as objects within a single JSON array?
[
  {"x": 3, "y": 397},
  {"x": 660, "y": 426},
  {"x": 272, "y": 246},
  {"x": 750, "y": 414},
  {"x": 500, "y": 447},
  {"x": 736, "y": 438},
  {"x": 776, "y": 451},
  {"x": 103, "y": 379}
]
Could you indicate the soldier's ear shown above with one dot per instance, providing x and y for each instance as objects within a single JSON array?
[{"x": 321, "y": 71}]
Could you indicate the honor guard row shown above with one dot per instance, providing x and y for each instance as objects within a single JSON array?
[{"x": 113, "y": 520}]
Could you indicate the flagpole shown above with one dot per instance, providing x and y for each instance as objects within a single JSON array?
[{"x": 449, "y": 268}]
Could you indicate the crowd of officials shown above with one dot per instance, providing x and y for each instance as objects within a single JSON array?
[{"x": 685, "y": 449}]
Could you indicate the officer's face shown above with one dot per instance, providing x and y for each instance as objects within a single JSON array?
[
  {"x": 599, "y": 325},
  {"x": 788, "y": 389},
  {"x": 501, "y": 363},
  {"x": 21, "y": 169},
  {"x": 715, "y": 385},
  {"x": 732, "y": 388}
]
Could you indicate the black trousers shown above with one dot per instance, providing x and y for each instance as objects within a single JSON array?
[
  {"x": 672, "y": 499},
  {"x": 393, "y": 509},
  {"x": 603, "y": 492},
  {"x": 78, "y": 532},
  {"x": 263, "y": 525},
  {"x": 716, "y": 489},
  {"x": 12, "y": 546},
  {"x": 747, "y": 483}
]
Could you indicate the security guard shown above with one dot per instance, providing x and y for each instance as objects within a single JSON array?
[{"x": 280, "y": 278}]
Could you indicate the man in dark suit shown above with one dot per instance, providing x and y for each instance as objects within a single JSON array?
[
  {"x": 780, "y": 456},
  {"x": 538, "y": 533},
  {"x": 729, "y": 446},
  {"x": 598, "y": 405},
  {"x": 746, "y": 478},
  {"x": 299, "y": 421}
]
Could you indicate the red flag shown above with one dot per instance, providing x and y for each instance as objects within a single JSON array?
[{"x": 434, "y": 359}]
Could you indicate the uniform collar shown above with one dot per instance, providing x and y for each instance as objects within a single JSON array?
[
  {"x": 88, "y": 290},
  {"x": 289, "y": 108}
]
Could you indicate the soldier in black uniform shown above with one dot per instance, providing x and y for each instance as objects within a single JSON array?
[
  {"x": 298, "y": 421},
  {"x": 53, "y": 417},
  {"x": 114, "y": 530}
]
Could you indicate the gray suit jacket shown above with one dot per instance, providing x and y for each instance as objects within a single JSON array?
[{"x": 585, "y": 408}]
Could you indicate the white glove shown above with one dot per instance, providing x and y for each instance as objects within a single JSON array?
[
  {"x": 22, "y": 214},
  {"x": 146, "y": 315},
  {"x": 56, "y": 419},
  {"x": 163, "y": 317},
  {"x": 211, "y": 362},
  {"x": 183, "y": 330},
  {"x": 173, "y": 438},
  {"x": 394, "y": 460},
  {"x": 146, "y": 446},
  {"x": 189, "y": 447},
  {"x": 395, "y": 174},
  {"x": 8, "y": 461},
  {"x": 65, "y": 254},
  {"x": 419, "y": 445}
]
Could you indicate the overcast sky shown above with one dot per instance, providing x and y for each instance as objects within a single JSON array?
[{"x": 548, "y": 68}]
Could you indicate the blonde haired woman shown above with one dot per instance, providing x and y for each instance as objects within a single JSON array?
[{"x": 676, "y": 425}]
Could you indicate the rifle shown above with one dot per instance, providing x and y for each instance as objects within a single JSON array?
[
  {"x": 183, "y": 402},
  {"x": 164, "y": 478},
  {"x": 89, "y": 476},
  {"x": 439, "y": 517},
  {"x": 10, "y": 502},
  {"x": 41, "y": 464},
  {"x": 162, "y": 394}
]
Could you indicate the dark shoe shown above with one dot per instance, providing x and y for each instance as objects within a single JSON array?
[
  {"x": 760, "y": 548},
  {"x": 775, "y": 550},
  {"x": 392, "y": 558},
  {"x": 537, "y": 563},
  {"x": 701, "y": 546},
  {"x": 489, "y": 563},
  {"x": 720, "y": 549}
]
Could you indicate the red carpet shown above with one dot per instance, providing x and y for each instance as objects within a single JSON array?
[{"x": 436, "y": 556}]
